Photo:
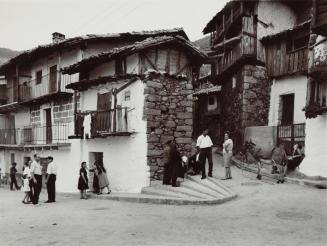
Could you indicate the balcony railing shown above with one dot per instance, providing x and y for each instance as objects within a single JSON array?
[
  {"x": 318, "y": 56},
  {"x": 48, "y": 84},
  {"x": 291, "y": 135},
  {"x": 226, "y": 22},
  {"x": 35, "y": 135},
  {"x": 102, "y": 123},
  {"x": 245, "y": 47}
]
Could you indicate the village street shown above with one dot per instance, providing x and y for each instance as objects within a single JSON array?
[{"x": 263, "y": 214}]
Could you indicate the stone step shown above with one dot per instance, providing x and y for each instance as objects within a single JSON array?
[
  {"x": 209, "y": 185},
  {"x": 222, "y": 186},
  {"x": 200, "y": 188},
  {"x": 185, "y": 191},
  {"x": 164, "y": 193}
]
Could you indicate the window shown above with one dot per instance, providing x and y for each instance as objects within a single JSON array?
[
  {"x": 120, "y": 67},
  {"x": 38, "y": 76},
  {"x": 297, "y": 43},
  {"x": 127, "y": 95}
]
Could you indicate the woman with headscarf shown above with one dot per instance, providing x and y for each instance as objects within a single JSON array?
[
  {"x": 175, "y": 164},
  {"x": 227, "y": 155},
  {"x": 102, "y": 177}
]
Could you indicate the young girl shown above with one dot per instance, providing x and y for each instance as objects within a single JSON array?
[
  {"x": 83, "y": 183},
  {"x": 26, "y": 182}
]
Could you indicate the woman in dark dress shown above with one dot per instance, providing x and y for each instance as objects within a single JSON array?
[
  {"x": 175, "y": 162},
  {"x": 102, "y": 178},
  {"x": 96, "y": 188},
  {"x": 83, "y": 183}
]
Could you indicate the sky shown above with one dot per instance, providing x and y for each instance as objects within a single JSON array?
[{"x": 25, "y": 24}]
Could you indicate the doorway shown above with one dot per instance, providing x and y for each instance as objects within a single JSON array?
[
  {"x": 93, "y": 157},
  {"x": 287, "y": 116},
  {"x": 48, "y": 126}
]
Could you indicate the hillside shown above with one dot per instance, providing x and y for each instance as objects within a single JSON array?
[
  {"x": 6, "y": 54},
  {"x": 203, "y": 43}
]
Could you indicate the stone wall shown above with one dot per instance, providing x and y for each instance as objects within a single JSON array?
[
  {"x": 168, "y": 112},
  {"x": 245, "y": 101}
]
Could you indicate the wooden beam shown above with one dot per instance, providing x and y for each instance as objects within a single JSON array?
[
  {"x": 168, "y": 61},
  {"x": 149, "y": 61},
  {"x": 183, "y": 68}
]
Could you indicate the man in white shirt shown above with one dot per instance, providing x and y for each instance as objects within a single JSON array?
[
  {"x": 51, "y": 180},
  {"x": 36, "y": 174},
  {"x": 204, "y": 143}
]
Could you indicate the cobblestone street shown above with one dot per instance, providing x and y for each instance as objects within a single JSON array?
[{"x": 263, "y": 214}]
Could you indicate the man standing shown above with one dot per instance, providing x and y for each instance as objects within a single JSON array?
[
  {"x": 36, "y": 178},
  {"x": 204, "y": 143},
  {"x": 51, "y": 180},
  {"x": 13, "y": 180}
]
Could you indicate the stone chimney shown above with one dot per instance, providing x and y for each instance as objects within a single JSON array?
[{"x": 57, "y": 37}]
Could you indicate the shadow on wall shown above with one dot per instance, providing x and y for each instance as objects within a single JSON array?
[{"x": 264, "y": 137}]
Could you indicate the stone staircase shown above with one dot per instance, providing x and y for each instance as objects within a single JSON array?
[{"x": 192, "y": 191}]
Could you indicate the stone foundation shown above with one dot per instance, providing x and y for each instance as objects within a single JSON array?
[
  {"x": 168, "y": 112},
  {"x": 245, "y": 101}
]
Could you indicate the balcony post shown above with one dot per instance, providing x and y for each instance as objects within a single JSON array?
[{"x": 59, "y": 72}]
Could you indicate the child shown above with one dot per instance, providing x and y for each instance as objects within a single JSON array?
[{"x": 26, "y": 182}]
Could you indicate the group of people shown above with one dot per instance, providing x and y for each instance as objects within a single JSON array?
[
  {"x": 281, "y": 162},
  {"x": 100, "y": 179},
  {"x": 32, "y": 180},
  {"x": 176, "y": 166}
]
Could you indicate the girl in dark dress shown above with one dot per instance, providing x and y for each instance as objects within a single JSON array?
[{"x": 83, "y": 183}]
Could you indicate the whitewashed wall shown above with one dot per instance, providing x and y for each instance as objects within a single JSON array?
[
  {"x": 315, "y": 161},
  {"x": 280, "y": 15},
  {"x": 284, "y": 86}
]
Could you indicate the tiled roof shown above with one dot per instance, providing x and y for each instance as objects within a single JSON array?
[
  {"x": 130, "y": 49},
  {"x": 48, "y": 48}
]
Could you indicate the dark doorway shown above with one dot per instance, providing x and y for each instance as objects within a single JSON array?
[
  {"x": 53, "y": 79},
  {"x": 287, "y": 109},
  {"x": 48, "y": 126}
]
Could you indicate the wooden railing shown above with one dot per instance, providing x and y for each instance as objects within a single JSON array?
[
  {"x": 280, "y": 63},
  {"x": 35, "y": 135},
  {"x": 225, "y": 23},
  {"x": 291, "y": 135},
  {"x": 8, "y": 136},
  {"x": 245, "y": 47},
  {"x": 46, "y": 85},
  {"x": 102, "y": 123},
  {"x": 3, "y": 93}
]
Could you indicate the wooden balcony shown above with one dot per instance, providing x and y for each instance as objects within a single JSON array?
[
  {"x": 45, "y": 89},
  {"x": 244, "y": 49},
  {"x": 279, "y": 62},
  {"x": 54, "y": 134},
  {"x": 3, "y": 94},
  {"x": 103, "y": 123},
  {"x": 316, "y": 97}
]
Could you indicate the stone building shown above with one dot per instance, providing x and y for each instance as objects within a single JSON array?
[
  {"x": 37, "y": 111},
  {"x": 139, "y": 96},
  {"x": 242, "y": 34}
]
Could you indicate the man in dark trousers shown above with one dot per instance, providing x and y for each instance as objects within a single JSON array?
[
  {"x": 36, "y": 179},
  {"x": 13, "y": 180},
  {"x": 51, "y": 180},
  {"x": 204, "y": 144}
]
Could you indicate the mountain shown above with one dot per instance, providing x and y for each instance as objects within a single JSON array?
[
  {"x": 6, "y": 54},
  {"x": 203, "y": 43}
]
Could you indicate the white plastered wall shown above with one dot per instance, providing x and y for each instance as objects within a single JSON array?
[
  {"x": 284, "y": 86},
  {"x": 278, "y": 14},
  {"x": 315, "y": 161}
]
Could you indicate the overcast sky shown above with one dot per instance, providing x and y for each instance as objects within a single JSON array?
[{"x": 25, "y": 24}]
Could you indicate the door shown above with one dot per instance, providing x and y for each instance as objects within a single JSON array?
[
  {"x": 287, "y": 109},
  {"x": 48, "y": 126},
  {"x": 53, "y": 79},
  {"x": 104, "y": 114}
]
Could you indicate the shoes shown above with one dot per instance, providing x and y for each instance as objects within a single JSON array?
[
  {"x": 109, "y": 192},
  {"x": 229, "y": 178},
  {"x": 210, "y": 175},
  {"x": 278, "y": 181},
  {"x": 259, "y": 177},
  {"x": 224, "y": 179},
  {"x": 174, "y": 185},
  {"x": 47, "y": 202},
  {"x": 203, "y": 177}
]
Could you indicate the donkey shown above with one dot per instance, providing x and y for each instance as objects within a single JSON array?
[{"x": 249, "y": 151}]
